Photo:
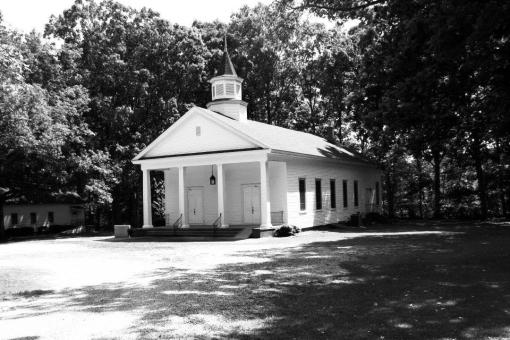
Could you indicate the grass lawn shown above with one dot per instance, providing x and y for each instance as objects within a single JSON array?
[{"x": 412, "y": 281}]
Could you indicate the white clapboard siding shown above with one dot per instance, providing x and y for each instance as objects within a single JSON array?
[
  {"x": 310, "y": 170},
  {"x": 62, "y": 214}
]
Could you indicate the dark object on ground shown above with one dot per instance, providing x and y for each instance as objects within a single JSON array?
[
  {"x": 19, "y": 231},
  {"x": 286, "y": 230},
  {"x": 81, "y": 230},
  {"x": 354, "y": 220},
  {"x": 34, "y": 293},
  {"x": 159, "y": 222},
  {"x": 54, "y": 229},
  {"x": 374, "y": 217}
]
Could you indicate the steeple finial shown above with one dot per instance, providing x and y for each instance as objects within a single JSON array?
[{"x": 228, "y": 66}]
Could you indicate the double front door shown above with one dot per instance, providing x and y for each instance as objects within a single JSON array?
[
  {"x": 196, "y": 205},
  {"x": 251, "y": 204}
]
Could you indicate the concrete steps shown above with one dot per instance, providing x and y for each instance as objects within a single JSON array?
[{"x": 195, "y": 233}]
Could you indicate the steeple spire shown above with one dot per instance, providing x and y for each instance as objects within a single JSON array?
[{"x": 228, "y": 66}]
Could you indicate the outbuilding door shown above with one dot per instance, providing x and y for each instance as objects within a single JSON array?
[
  {"x": 196, "y": 205},
  {"x": 251, "y": 204}
]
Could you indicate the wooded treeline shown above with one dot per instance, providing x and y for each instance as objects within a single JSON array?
[{"x": 421, "y": 87}]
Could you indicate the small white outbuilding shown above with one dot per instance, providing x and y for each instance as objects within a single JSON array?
[
  {"x": 43, "y": 215},
  {"x": 219, "y": 166}
]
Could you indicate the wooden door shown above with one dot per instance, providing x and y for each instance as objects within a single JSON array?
[
  {"x": 251, "y": 204},
  {"x": 196, "y": 206}
]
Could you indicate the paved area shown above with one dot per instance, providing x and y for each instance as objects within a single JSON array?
[{"x": 321, "y": 284}]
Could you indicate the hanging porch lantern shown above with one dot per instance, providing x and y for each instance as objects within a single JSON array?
[{"x": 212, "y": 179}]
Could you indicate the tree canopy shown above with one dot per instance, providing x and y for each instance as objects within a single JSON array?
[{"x": 421, "y": 87}]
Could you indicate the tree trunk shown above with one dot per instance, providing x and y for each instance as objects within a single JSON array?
[
  {"x": 436, "y": 156},
  {"x": 390, "y": 195},
  {"x": 480, "y": 176},
  {"x": 2, "y": 226},
  {"x": 420, "y": 186},
  {"x": 500, "y": 175}
]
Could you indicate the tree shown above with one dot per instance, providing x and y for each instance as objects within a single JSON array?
[
  {"x": 142, "y": 73},
  {"x": 432, "y": 71}
]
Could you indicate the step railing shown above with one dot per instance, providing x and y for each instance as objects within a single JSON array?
[
  {"x": 216, "y": 224},
  {"x": 177, "y": 224}
]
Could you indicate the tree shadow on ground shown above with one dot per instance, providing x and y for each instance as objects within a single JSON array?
[{"x": 387, "y": 286}]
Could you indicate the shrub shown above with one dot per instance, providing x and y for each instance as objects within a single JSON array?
[
  {"x": 286, "y": 230},
  {"x": 375, "y": 217}
]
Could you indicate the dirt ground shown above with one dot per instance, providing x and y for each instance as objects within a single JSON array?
[{"x": 410, "y": 281}]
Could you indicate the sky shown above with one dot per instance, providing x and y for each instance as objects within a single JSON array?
[{"x": 26, "y": 15}]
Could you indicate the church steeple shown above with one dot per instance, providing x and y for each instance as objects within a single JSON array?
[
  {"x": 228, "y": 66},
  {"x": 226, "y": 90}
]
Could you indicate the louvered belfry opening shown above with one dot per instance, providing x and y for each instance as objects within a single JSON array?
[{"x": 226, "y": 91}]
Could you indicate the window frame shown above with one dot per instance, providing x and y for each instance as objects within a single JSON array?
[
  {"x": 345, "y": 193},
  {"x": 302, "y": 193},
  {"x": 318, "y": 194},
  {"x": 33, "y": 218},
  {"x": 332, "y": 193},
  {"x": 14, "y": 216},
  {"x": 355, "y": 188}
]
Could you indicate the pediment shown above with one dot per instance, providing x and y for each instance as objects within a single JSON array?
[{"x": 196, "y": 133}]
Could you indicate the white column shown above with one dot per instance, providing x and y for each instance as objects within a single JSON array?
[
  {"x": 146, "y": 190},
  {"x": 182, "y": 211},
  {"x": 221, "y": 202},
  {"x": 167, "y": 194},
  {"x": 265, "y": 204}
]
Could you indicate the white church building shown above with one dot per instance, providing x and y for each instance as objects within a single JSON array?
[{"x": 222, "y": 168}]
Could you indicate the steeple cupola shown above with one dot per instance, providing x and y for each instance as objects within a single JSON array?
[{"x": 226, "y": 91}]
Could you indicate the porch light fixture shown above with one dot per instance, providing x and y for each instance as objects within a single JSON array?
[{"x": 212, "y": 179}]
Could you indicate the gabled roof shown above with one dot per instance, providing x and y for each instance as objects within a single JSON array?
[
  {"x": 267, "y": 136},
  {"x": 281, "y": 139}
]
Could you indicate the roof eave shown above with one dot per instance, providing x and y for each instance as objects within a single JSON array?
[{"x": 357, "y": 161}]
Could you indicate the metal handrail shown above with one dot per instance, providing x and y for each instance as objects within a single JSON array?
[
  {"x": 216, "y": 224},
  {"x": 177, "y": 224}
]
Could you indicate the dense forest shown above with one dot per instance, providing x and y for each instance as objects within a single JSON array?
[{"x": 421, "y": 87}]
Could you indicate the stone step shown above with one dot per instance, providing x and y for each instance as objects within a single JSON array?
[{"x": 195, "y": 232}]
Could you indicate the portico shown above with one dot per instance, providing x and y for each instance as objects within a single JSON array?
[{"x": 239, "y": 193}]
